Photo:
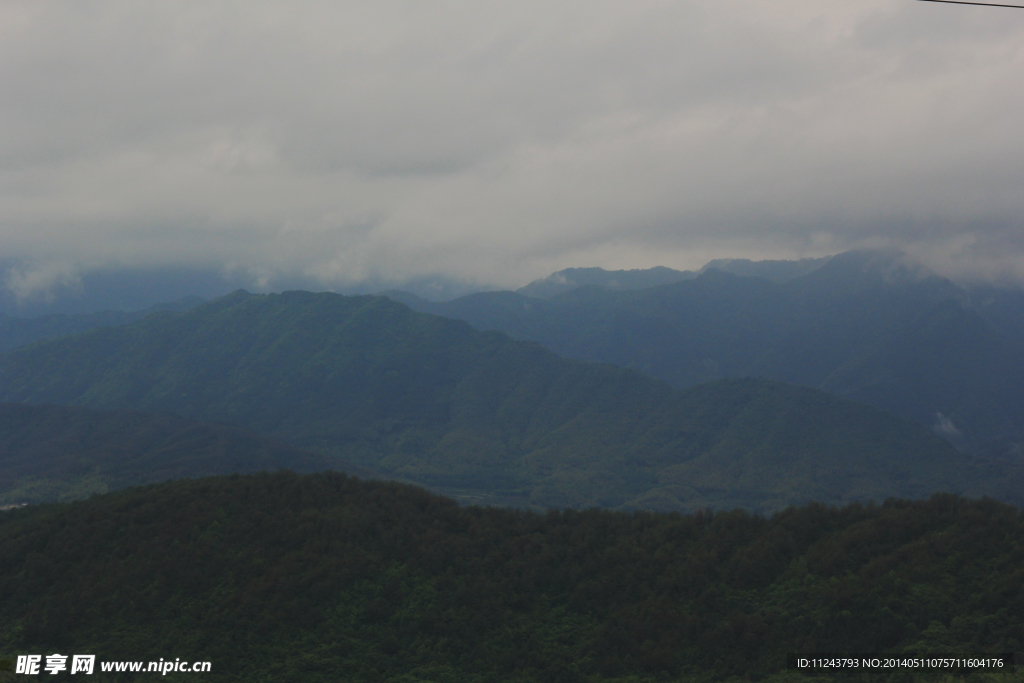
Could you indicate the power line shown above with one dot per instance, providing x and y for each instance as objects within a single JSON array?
[{"x": 982, "y": 4}]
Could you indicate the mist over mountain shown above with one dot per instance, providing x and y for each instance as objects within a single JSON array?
[
  {"x": 27, "y": 291},
  {"x": 30, "y": 292},
  {"x": 489, "y": 419},
  {"x": 869, "y": 325},
  {"x": 774, "y": 270},
  {"x": 571, "y": 278},
  {"x": 15, "y": 332}
]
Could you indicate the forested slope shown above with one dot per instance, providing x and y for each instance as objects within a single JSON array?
[{"x": 320, "y": 577}]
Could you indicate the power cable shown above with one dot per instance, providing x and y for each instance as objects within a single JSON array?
[{"x": 964, "y": 2}]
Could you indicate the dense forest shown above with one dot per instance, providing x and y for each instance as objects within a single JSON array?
[
  {"x": 489, "y": 419},
  {"x": 282, "y": 577}
]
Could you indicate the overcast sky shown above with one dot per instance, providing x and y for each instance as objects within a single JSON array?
[{"x": 497, "y": 142}]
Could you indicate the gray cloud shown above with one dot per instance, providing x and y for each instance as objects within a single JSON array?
[{"x": 496, "y": 142}]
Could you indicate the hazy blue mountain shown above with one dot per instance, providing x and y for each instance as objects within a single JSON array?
[
  {"x": 112, "y": 289},
  {"x": 15, "y": 332},
  {"x": 137, "y": 288},
  {"x": 429, "y": 287},
  {"x": 430, "y": 400},
  {"x": 1001, "y": 307},
  {"x": 52, "y": 453},
  {"x": 865, "y": 325},
  {"x": 571, "y": 278}
]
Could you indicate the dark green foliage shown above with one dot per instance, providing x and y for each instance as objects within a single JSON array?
[
  {"x": 489, "y": 419},
  {"x": 52, "y": 453},
  {"x": 325, "y": 577},
  {"x": 863, "y": 326}
]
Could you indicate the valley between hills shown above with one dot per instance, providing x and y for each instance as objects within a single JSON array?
[
  {"x": 368, "y": 382},
  {"x": 709, "y": 473}
]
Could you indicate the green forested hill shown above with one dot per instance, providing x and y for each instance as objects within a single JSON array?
[
  {"x": 324, "y": 578},
  {"x": 478, "y": 415},
  {"x": 864, "y": 326},
  {"x": 50, "y": 453}
]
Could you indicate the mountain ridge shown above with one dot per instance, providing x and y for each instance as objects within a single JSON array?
[
  {"x": 486, "y": 418},
  {"x": 870, "y": 326}
]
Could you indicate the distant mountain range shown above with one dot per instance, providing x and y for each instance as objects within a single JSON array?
[
  {"x": 489, "y": 419},
  {"x": 573, "y": 278},
  {"x": 15, "y": 331},
  {"x": 26, "y": 292},
  {"x": 869, "y": 326},
  {"x": 118, "y": 297}
]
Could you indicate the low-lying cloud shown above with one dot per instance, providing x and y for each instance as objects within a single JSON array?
[{"x": 497, "y": 142}]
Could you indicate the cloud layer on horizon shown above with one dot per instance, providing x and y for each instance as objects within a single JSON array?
[{"x": 497, "y": 142}]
